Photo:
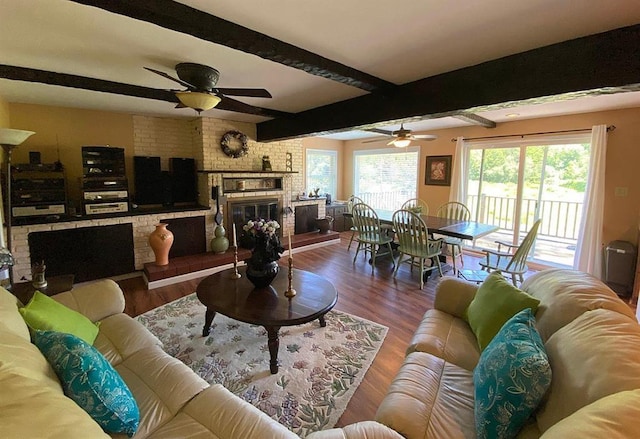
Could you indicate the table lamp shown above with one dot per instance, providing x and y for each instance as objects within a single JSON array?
[{"x": 9, "y": 139}]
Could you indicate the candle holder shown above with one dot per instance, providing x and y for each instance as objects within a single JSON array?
[
  {"x": 235, "y": 274},
  {"x": 290, "y": 293}
]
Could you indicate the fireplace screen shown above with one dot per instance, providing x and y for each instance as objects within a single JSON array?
[{"x": 241, "y": 211}]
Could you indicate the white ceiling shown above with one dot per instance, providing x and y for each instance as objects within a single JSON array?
[{"x": 398, "y": 41}]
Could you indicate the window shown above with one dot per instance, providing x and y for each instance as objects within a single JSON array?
[
  {"x": 386, "y": 178},
  {"x": 322, "y": 171}
]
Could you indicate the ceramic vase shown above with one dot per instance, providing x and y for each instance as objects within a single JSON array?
[
  {"x": 324, "y": 224},
  {"x": 261, "y": 276},
  {"x": 161, "y": 240},
  {"x": 219, "y": 244}
]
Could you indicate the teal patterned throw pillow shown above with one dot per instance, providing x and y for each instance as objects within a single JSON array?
[
  {"x": 511, "y": 377},
  {"x": 89, "y": 379}
]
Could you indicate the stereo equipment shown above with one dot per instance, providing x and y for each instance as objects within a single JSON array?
[
  {"x": 39, "y": 210},
  {"x": 101, "y": 208},
  {"x": 102, "y": 161},
  {"x": 37, "y": 190},
  {"x": 34, "y": 157},
  {"x": 105, "y": 195}
]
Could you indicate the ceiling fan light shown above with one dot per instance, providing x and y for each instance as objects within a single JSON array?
[
  {"x": 401, "y": 143},
  {"x": 198, "y": 101}
]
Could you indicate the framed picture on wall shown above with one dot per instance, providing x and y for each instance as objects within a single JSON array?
[{"x": 438, "y": 172}]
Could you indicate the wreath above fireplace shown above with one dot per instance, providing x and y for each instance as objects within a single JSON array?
[{"x": 234, "y": 144}]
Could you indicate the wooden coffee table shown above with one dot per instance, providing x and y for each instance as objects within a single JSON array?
[{"x": 240, "y": 300}]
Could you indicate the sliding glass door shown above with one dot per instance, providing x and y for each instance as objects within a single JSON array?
[{"x": 512, "y": 184}]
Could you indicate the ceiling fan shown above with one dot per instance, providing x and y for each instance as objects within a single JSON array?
[
  {"x": 201, "y": 92},
  {"x": 401, "y": 138}
]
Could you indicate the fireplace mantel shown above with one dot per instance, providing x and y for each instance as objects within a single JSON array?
[{"x": 240, "y": 171}]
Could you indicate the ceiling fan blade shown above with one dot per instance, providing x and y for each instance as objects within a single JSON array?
[
  {"x": 425, "y": 136},
  {"x": 166, "y": 75},
  {"x": 84, "y": 83},
  {"x": 379, "y": 139},
  {"x": 248, "y": 92},
  {"x": 379, "y": 131},
  {"x": 230, "y": 104}
]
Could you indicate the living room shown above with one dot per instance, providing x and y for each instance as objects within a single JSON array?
[{"x": 62, "y": 129}]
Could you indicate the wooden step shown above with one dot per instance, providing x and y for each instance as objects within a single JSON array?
[{"x": 192, "y": 266}]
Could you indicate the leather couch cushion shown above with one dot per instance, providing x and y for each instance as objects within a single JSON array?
[
  {"x": 218, "y": 413},
  {"x": 120, "y": 336},
  {"x": 429, "y": 398},
  {"x": 21, "y": 357},
  {"x": 612, "y": 417},
  {"x": 594, "y": 356},
  {"x": 566, "y": 294},
  {"x": 30, "y": 410},
  {"x": 359, "y": 430},
  {"x": 160, "y": 384},
  {"x": 448, "y": 337},
  {"x": 10, "y": 318}
]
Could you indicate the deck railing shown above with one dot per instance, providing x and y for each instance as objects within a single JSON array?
[
  {"x": 560, "y": 219},
  {"x": 386, "y": 200}
]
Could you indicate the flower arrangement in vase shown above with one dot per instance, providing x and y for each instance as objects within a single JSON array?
[{"x": 262, "y": 266}]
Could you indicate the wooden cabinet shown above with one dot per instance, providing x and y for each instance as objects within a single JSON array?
[
  {"x": 306, "y": 218},
  {"x": 336, "y": 211}
]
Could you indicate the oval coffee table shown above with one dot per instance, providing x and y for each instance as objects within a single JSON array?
[{"x": 240, "y": 300}]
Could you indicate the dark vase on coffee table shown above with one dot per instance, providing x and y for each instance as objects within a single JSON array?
[
  {"x": 262, "y": 266},
  {"x": 262, "y": 275}
]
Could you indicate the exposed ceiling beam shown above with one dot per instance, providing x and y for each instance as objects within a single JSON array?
[
  {"x": 182, "y": 18},
  {"x": 475, "y": 119},
  {"x": 609, "y": 59},
  {"x": 104, "y": 86}
]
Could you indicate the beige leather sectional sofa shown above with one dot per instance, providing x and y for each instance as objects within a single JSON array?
[
  {"x": 592, "y": 340},
  {"x": 591, "y": 336}
]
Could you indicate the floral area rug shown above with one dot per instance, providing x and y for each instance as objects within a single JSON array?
[{"x": 320, "y": 368}]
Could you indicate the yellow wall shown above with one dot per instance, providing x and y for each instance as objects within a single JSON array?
[
  {"x": 623, "y": 156},
  {"x": 4, "y": 114},
  {"x": 67, "y": 129},
  {"x": 61, "y": 132}
]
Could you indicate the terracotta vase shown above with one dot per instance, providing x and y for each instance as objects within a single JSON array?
[{"x": 161, "y": 240}]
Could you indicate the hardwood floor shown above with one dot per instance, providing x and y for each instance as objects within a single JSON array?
[{"x": 397, "y": 303}]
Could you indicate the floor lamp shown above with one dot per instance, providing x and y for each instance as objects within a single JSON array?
[{"x": 9, "y": 139}]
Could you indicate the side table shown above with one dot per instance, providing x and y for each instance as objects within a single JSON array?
[
  {"x": 477, "y": 276},
  {"x": 55, "y": 284}
]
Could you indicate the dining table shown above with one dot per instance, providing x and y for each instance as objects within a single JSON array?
[
  {"x": 468, "y": 230},
  {"x": 455, "y": 228}
]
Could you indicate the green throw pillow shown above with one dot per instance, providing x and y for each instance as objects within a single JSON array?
[
  {"x": 495, "y": 302},
  {"x": 44, "y": 313},
  {"x": 511, "y": 378},
  {"x": 89, "y": 379}
]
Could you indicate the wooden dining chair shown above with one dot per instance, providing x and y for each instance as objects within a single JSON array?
[
  {"x": 350, "y": 203},
  {"x": 415, "y": 243},
  {"x": 513, "y": 261},
  {"x": 416, "y": 205},
  {"x": 458, "y": 211},
  {"x": 370, "y": 235}
]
